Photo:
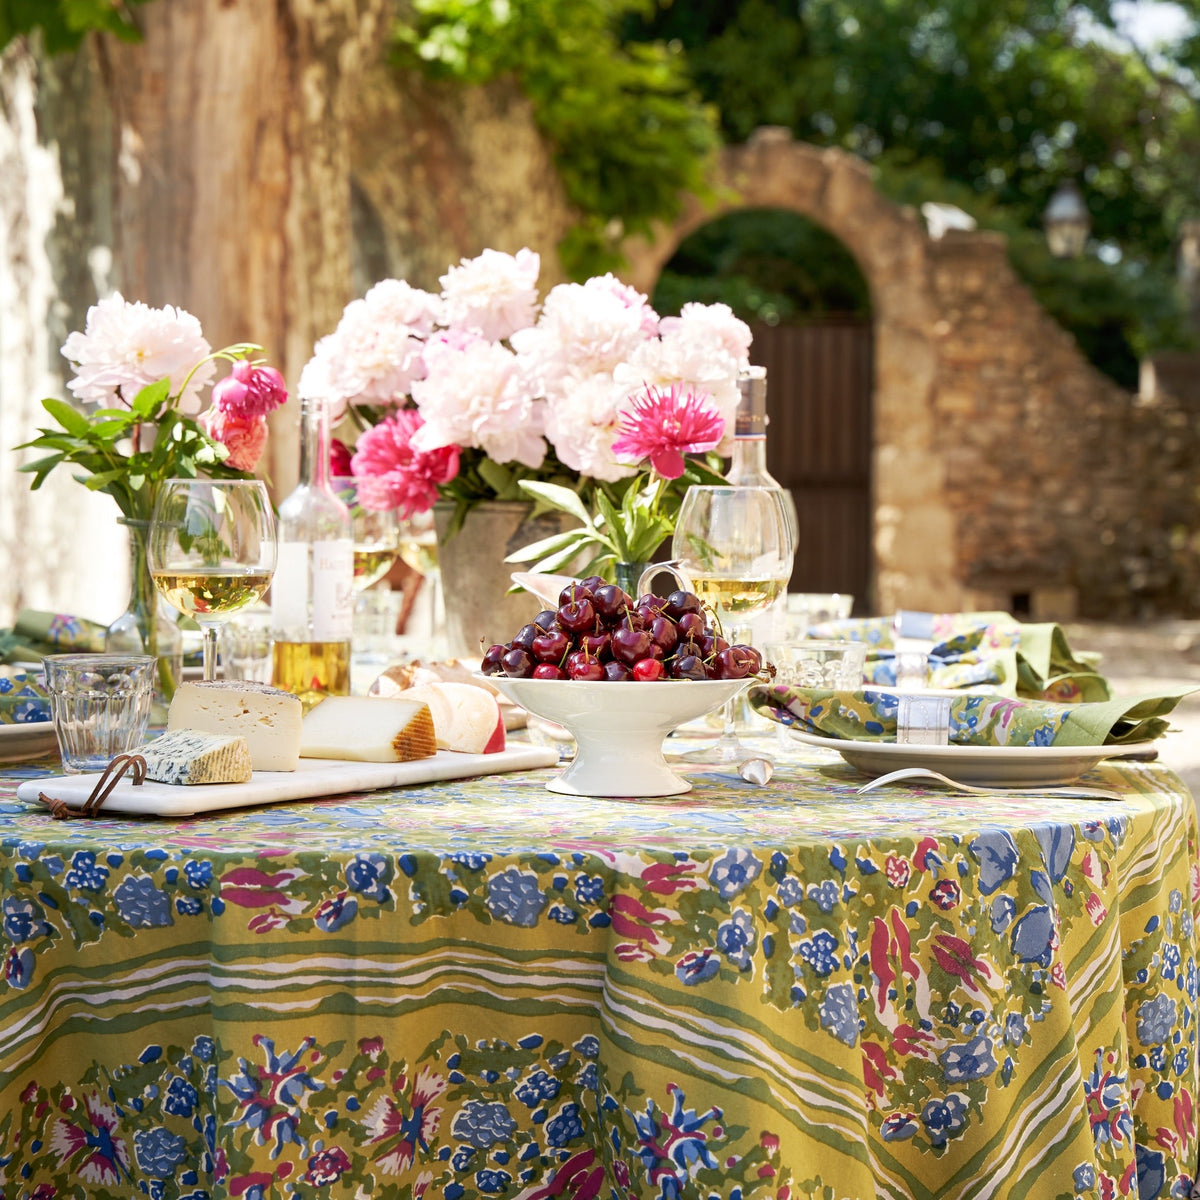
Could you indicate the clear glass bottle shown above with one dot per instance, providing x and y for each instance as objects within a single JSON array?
[
  {"x": 748, "y": 467},
  {"x": 312, "y": 593}
]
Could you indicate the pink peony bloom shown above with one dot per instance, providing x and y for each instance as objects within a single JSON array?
[
  {"x": 339, "y": 458},
  {"x": 250, "y": 391},
  {"x": 391, "y": 474},
  {"x": 493, "y": 295},
  {"x": 245, "y": 437},
  {"x": 663, "y": 426}
]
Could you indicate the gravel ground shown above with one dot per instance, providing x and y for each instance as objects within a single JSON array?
[{"x": 1150, "y": 658}]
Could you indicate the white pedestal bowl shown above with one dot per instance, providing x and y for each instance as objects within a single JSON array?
[{"x": 619, "y": 728}]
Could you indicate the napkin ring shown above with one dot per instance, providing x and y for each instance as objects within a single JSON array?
[{"x": 61, "y": 810}]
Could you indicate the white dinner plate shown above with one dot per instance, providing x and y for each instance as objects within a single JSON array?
[
  {"x": 991, "y": 766},
  {"x": 28, "y": 739}
]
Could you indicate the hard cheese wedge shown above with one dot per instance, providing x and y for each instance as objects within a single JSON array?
[
  {"x": 267, "y": 717},
  {"x": 193, "y": 756},
  {"x": 365, "y": 729},
  {"x": 465, "y": 717}
]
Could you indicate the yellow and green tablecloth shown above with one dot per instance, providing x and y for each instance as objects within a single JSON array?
[{"x": 483, "y": 989}]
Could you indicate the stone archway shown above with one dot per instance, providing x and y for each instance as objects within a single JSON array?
[{"x": 913, "y": 525}]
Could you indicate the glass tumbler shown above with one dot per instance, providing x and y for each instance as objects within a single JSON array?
[
  {"x": 812, "y": 663},
  {"x": 100, "y": 705}
]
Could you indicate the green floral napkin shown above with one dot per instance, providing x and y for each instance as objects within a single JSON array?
[
  {"x": 975, "y": 720},
  {"x": 989, "y": 650},
  {"x": 36, "y": 634},
  {"x": 23, "y": 697}
]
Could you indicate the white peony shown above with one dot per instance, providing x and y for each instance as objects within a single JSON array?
[
  {"x": 582, "y": 426},
  {"x": 374, "y": 354},
  {"x": 126, "y": 346},
  {"x": 477, "y": 396},
  {"x": 585, "y": 329},
  {"x": 493, "y": 295},
  {"x": 714, "y": 322}
]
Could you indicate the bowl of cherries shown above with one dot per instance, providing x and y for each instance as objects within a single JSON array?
[{"x": 621, "y": 674}]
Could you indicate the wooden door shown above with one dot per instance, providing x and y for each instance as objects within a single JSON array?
[{"x": 819, "y": 385}]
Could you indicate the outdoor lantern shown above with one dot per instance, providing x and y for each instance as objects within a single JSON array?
[{"x": 1067, "y": 222}]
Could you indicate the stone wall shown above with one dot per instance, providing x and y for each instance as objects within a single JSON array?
[{"x": 1007, "y": 472}]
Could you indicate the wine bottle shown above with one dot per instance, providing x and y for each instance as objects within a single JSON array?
[
  {"x": 748, "y": 467},
  {"x": 312, "y": 594}
]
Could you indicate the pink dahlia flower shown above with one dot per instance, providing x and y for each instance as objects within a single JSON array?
[
  {"x": 245, "y": 437},
  {"x": 663, "y": 426},
  {"x": 391, "y": 474},
  {"x": 250, "y": 391}
]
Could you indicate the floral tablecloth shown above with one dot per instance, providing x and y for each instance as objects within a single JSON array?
[{"x": 483, "y": 989}]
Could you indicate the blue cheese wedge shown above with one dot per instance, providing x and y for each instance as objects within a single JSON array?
[
  {"x": 189, "y": 756},
  {"x": 267, "y": 717}
]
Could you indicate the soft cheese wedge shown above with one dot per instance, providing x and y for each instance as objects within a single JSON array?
[
  {"x": 267, "y": 717},
  {"x": 188, "y": 756},
  {"x": 364, "y": 729},
  {"x": 465, "y": 717}
]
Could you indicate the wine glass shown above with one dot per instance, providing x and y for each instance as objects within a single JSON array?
[
  {"x": 419, "y": 549},
  {"x": 735, "y": 547},
  {"x": 376, "y": 534},
  {"x": 212, "y": 550}
]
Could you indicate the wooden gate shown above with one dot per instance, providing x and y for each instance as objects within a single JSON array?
[{"x": 819, "y": 385}]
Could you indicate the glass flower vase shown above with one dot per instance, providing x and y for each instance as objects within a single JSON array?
[{"x": 144, "y": 628}]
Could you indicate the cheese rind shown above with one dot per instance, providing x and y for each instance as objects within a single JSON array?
[
  {"x": 364, "y": 729},
  {"x": 187, "y": 756},
  {"x": 465, "y": 717},
  {"x": 267, "y": 717}
]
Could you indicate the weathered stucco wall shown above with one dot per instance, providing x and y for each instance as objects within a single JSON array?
[{"x": 1008, "y": 473}]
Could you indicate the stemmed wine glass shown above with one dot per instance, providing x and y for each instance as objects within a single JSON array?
[
  {"x": 212, "y": 550},
  {"x": 735, "y": 546},
  {"x": 376, "y": 534}
]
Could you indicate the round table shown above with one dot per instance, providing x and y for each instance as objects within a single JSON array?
[{"x": 484, "y": 989}]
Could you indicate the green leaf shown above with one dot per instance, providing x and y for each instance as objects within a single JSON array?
[
  {"x": 497, "y": 476},
  {"x": 552, "y": 562},
  {"x": 147, "y": 402},
  {"x": 613, "y": 523},
  {"x": 545, "y": 546},
  {"x": 42, "y": 465},
  {"x": 558, "y": 497},
  {"x": 71, "y": 419}
]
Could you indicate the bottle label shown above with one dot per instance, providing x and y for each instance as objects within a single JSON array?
[
  {"x": 312, "y": 592},
  {"x": 333, "y": 590}
]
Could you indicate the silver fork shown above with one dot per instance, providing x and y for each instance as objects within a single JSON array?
[{"x": 1042, "y": 789}]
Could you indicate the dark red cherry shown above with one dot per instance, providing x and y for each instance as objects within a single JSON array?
[
  {"x": 550, "y": 646},
  {"x": 648, "y": 670},
  {"x": 572, "y": 593},
  {"x": 583, "y": 666},
  {"x": 577, "y": 616},
  {"x": 730, "y": 664},
  {"x": 592, "y": 582},
  {"x": 751, "y": 655},
  {"x": 712, "y": 645},
  {"x": 525, "y": 635},
  {"x": 517, "y": 663},
  {"x": 688, "y": 666},
  {"x": 617, "y": 672},
  {"x": 609, "y": 603},
  {"x": 598, "y": 645},
  {"x": 546, "y": 619},
  {"x": 680, "y": 602},
  {"x": 665, "y": 633},
  {"x": 691, "y": 623},
  {"x": 491, "y": 659},
  {"x": 629, "y": 645},
  {"x": 548, "y": 671}
]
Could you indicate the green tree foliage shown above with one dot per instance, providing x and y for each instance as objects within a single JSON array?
[
  {"x": 64, "y": 23},
  {"x": 628, "y": 132},
  {"x": 989, "y": 104}
]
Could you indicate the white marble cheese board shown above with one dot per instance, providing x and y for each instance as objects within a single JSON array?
[{"x": 316, "y": 778}]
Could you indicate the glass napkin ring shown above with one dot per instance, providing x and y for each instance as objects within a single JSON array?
[{"x": 923, "y": 720}]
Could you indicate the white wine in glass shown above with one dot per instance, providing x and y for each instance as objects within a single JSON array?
[
  {"x": 212, "y": 550},
  {"x": 735, "y": 545},
  {"x": 376, "y": 535}
]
